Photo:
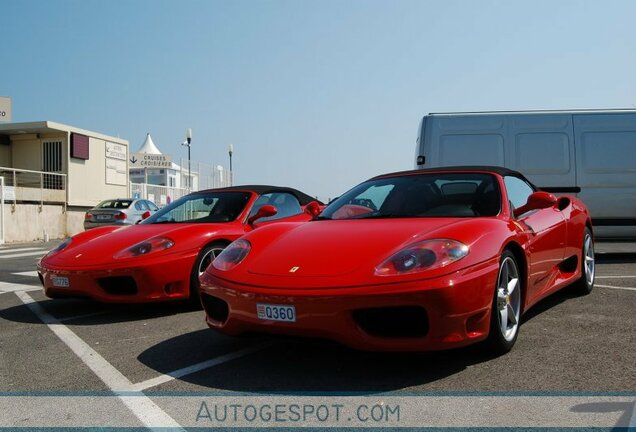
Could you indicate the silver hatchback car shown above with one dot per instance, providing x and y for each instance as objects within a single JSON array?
[{"x": 121, "y": 211}]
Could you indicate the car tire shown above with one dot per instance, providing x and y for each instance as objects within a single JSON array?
[
  {"x": 205, "y": 257},
  {"x": 585, "y": 284},
  {"x": 505, "y": 313}
]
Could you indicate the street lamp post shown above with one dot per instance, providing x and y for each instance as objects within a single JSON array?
[
  {"x": 187, "y": 143},
  {"x": 230, "y": 150}
]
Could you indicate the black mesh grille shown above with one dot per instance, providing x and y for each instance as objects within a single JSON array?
[
  {"x": 216, "y": 308},
  {"x": 118, "y": 285},
  {"x": 397, "y": 321}
]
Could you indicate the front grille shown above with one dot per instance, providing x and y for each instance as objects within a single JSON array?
[
  {"x": 395, "y": 321},
  {"x": 118, "y": 285},
  {"x": 215, "y": 308}
]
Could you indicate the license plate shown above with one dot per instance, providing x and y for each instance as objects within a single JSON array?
[
  {"x": 60, "y": 281},
  {"x": 270, "y": 312},
  {"x": 103, "y": 217}
]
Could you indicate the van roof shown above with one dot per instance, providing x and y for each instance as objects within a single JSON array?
[{"x": 572, "y": 111}]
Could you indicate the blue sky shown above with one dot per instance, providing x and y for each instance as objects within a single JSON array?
[{"x": 319, "y": 95}]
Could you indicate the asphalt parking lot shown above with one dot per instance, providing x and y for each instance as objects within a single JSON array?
[{"x": 567, "y": 345}]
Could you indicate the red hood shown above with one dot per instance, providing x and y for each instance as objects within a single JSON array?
[
  {"x": 97, "y": 246},
  {"x": 337, "y": 247}
]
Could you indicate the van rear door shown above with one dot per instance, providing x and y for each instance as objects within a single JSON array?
[
  {"x": 541, "y": 147},
  {"x": 606, "y": 165}
]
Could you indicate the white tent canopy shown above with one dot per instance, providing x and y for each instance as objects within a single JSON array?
[{"x": 148, "y": 146}]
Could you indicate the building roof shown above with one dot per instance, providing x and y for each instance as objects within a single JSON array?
[
  {"x": 42, "y": 127},
  {"x": 148, "y": 146}
]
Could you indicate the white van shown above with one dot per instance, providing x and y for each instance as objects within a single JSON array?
[{"x": 591, "y": 154}]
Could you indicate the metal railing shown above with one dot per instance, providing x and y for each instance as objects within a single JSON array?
[
  {"x": 204, "y": 176},
  {"x": 160, "y": 195},
  {"x": 33, "y": 186}
]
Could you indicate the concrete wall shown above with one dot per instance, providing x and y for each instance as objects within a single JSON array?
[
  {"x": 27, "y": 223},
  {"x": 74, "y": 222}
]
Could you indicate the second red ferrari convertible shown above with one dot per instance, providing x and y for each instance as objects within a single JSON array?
[
  {"x": 411, "y": 261},
  {"x": 162, "y": 257}
]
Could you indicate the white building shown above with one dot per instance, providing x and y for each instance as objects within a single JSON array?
[
  {"x": 51, "y": 173},
  {"x": 155, "y": 176},
  {"x": 150, "y": 166}
]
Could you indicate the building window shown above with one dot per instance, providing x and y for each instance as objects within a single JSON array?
[{"x": 52, "y": 162}]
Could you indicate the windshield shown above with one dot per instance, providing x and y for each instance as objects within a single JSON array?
[
  {"x": 425, "y": 195},
  {"x": 202, "y": 208}
]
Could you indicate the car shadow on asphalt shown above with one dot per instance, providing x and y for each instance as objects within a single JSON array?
[
  {"x": 313, "y": 365},
  {"x": 86, "y": 312},
  {"x": 563, "y": 295},
  {"x": 625, "y": 409},
  {"x": 616, "y": 258}
]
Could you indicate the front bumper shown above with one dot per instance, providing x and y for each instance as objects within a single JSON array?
[
  {"x": 166, "y": 278},
  {"x": 434, "y": 314}
]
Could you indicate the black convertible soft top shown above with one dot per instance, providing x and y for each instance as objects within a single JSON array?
[
  {"x": 302, "y": 197},
  {"x": 502, "y": 171}
]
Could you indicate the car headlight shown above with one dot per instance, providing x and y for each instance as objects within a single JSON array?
[
  {"x": 421, "y": 256},
  {"x": 232, "y": 255},
  {"x": 155, "y": 244},
  {"x": 59, "y": 247}
]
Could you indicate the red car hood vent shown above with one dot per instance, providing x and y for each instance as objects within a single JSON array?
[{"x": 336, "y": 248}]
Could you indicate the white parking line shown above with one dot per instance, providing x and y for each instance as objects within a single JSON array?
[
  {"x": 615, "y": 287},
  {"x": 14, "y": 287},
  {"x": 10, "y": 250},
  {"x": 615, "y": 277},
  {"x": 23, "y": 254},
  {"x": 29, "y": 273},
  {"x": 141, "y": 406},
  {"x": 197, "y": 367}
]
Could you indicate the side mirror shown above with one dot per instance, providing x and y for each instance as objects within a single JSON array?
[
  {"x": 265, "y": 211},
  {"x": 313, "y": 209},
  {"x": 536, "y": 201}
]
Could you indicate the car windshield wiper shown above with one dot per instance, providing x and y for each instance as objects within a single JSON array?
[{"x": 321, "y": 218}]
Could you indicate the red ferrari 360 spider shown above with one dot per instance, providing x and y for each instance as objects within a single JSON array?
[
  {"x": 162, "y": 257},
  {"x": 411, "y": 261}
]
